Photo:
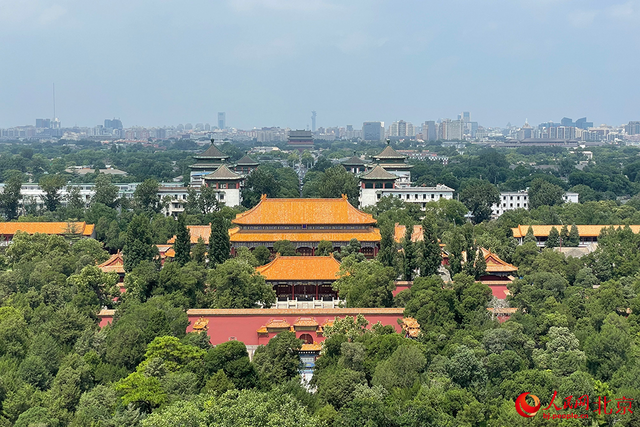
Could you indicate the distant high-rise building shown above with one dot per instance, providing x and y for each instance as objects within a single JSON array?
[
  {"x": 207, "y": 127},
  {"x": 222, "y": 120},
  {"x": 188, "y": 126},
  {"x": 313, "y": 121},
  {"x": 112, "y": 124},
  {"x": 454, "y": 130},
  {"x": 402, "y": 128},
  {"x": 43, "y": 123},
  {"x": 583, "y": 123},
  {"x": 429, "y": 131},
  {"x": 466, "y": 117},
  {"x": 633, "y": 128},
  {"x": 373, "y": 131}
]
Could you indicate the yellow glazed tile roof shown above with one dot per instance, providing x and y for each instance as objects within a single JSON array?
[
  {"x": 115, "y": 264},
  {"x": 11, "y": 228},
  {"x": 303, "y": 211},
  {"x": 196, "y": 231},
  {"x": 495, "y": 264},
  {"x": 277, "y": 324},
  {"x": 584, "y": 230},
  {"x": 416, "y": 235},
  {"x": 371, "y": 235},
  {"x": 311, "y": 347},
  {"x": 305, "y": 321},
  {"x": 304, "y": 268}
]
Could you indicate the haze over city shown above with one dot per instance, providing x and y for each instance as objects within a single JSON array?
[{"x": 270, "y": 62}]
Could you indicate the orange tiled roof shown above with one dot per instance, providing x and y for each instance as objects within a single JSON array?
[
  {"x": 311, "y": 347},
  {"x": 277, "y": 324},
  {"x": 303, "y": 211},
  {"x": 416, "y": 235},
  {"x": 495, "y": 264},
  {"x": 583, "y": 230},
  {"x": 306, "y": 268},
  {"x": 115, "y": 264},
  {"x": 196, "y": 231},
  {"x": 263, "y": 330},
  {"x": 237, "y": 235},
  {"x": 411, "y": 327},
  {"x": 11, "y": 228},
  {"x": 305, "y": 321}
]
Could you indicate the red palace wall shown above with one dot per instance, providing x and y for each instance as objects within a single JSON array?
[{"x": 243, "y": 324}]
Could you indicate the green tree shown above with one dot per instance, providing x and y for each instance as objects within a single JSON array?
[
  {"x": 182, "y": 245},
  {"x": 431, "y": 252},
  {"x": 365, "y": 283},
  {"x": 478, "y": 196},
  {"x": 199, "y": 252},
  {"x": 105, "y": 192},
  {"x": 146, "y": 196},
  {"x": 284, "y": 248},
  {"x": 530, "y": 237},
  {"x": 553, "y": 241},
  {"x": 141, "y": 391},
  {"x": 574, "y": 237},
  {"x": 10, "y": 197},
  {"x": 51, "y": 185},
  {"x": 260, "y": 181},
  {"x": 138, "y": 244},
  {"x": 325, "y": 248},
  {"x": 387, "y": 254},
  {"x": 333, "y": 183},
  {"x": 219, "y": 243},
  {"x": 408, "y": 255},
  {"x": 236, "y": 284},
  {"x": 262, "y": 254},
  {"x": 278, "y": 361},
  {"x": 402, "y": 369},
  {"x": 202, "y": 201},
  {"x": 543, "y": 193},
  {"x": 564, "y": 235}
]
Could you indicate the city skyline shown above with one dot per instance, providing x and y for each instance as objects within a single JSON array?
[{"x": 271, "y": 62}]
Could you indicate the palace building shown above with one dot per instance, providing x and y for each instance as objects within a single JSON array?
[
  {"x": 588, "y": 233},
  {"x": 303, "y": 281},
  {"x": 227, "y": 183},
  {"x": 305, "y": 222},
  {"x": 71, "y": 229},
  {"x": 206, "y": 163},
  {"x": 390, "y": 176},
  {"x": 394, "y": 162}
]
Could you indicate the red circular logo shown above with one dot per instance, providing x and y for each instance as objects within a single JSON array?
[{"x": 524, "y": 408}]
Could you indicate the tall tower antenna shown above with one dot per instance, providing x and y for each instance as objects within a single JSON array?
[{"x": 313, "y": 121}]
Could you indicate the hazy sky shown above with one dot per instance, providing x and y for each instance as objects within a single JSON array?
[{"x": 270, "y": 62}]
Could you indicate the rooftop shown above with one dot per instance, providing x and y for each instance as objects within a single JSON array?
[
  {"x": 212, "y": 152},
  {"x": 378, "y": 172},
  {"x": 224, "y": 173},
  {"x": 389, "y": 153},
  {"x": 584, "y": 230},
  {"x": 196, "y": 231},
  {"x": 115, "y": 264},
  {"x": 301, "y": 268},
  {"x": 303, "y": 211},
  {"x": 61, "y": 228},
  {"x": 237, "y": 235}
]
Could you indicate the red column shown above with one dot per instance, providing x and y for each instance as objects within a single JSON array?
[
  {"x": 317, "y": 291},
  {"x": 293, "y": 291}
]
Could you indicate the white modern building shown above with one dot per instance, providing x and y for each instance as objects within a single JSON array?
[{"x": 512, "y": 200}]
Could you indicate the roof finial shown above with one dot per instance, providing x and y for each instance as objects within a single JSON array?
[
  {"x": 388, "y": 141},
  {"x": 354, "y": 153},
  {"x": 212, "y": 141}
]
